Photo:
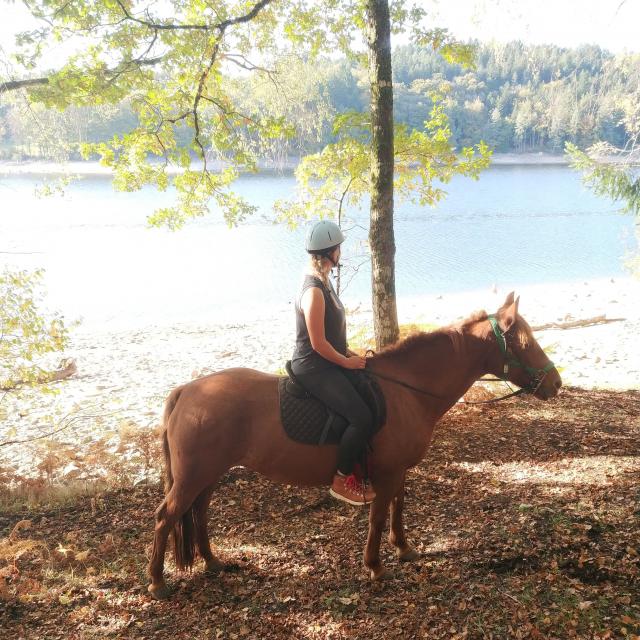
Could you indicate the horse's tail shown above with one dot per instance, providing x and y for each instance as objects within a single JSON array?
[
  {"x": 184, "y": 545},
  {"x": 169, "y": 406}
]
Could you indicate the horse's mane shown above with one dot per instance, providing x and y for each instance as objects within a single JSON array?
[
  {"x": 452, "y": 332},
  {"x": 521, "y": 334}
]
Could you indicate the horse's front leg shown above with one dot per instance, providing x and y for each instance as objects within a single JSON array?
[
  {"x": 386, "y": 489},
  {"x": 396, "y": 533}
]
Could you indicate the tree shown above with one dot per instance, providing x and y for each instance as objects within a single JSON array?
[
  {"x": 373, "y": 144},
  {"x": 339, "y": 176},
  {"x": 27, "y": 333},
  {"x": 615, "y": 171},
  {"x": 576, "y": 95},
  {"x": 171, "y": 63},
  {"x": 381, "y": 236},
  {"x": 296, "y": 91}
]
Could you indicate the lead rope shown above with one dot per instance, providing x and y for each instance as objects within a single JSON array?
[{"x": 433, "y": 395}]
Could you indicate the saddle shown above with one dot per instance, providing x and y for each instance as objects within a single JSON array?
[{"x": 309, "y": 421}]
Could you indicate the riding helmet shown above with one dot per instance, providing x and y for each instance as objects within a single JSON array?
[{"x": 324, "y": 236}]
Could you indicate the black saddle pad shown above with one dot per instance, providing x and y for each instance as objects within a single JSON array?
[{"x": 306, "y": 419}]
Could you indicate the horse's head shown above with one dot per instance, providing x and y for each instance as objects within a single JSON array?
[{"x": 518, "y": 357}]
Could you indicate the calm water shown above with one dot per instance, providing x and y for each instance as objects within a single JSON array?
[{"x": 516, "y": 225}]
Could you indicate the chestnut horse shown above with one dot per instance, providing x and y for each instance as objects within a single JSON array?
[{"x": 232, "y": 418}]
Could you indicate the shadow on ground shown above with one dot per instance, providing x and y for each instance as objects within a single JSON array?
[{"x": 527, "y": 516}]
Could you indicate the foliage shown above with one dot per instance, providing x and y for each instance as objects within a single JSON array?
[
  {"x": 186, "y": 72},
  {"x": 514, "y": 96},
  {"x": 27, "y": 333},
  {"x": 612, "y": 171},
  {"x": 62, "y": 472},
  {"x": 297, "y": 91},
  {"x": 170, "y": 64},
  {"x": 338, "y": 176},
  {"x": 525, "y": 97}
]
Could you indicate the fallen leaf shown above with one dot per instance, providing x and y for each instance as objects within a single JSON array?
[{"x": 19, "y": 526}]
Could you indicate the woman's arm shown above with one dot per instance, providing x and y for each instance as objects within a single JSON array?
[{"x": 312, "y": 304}]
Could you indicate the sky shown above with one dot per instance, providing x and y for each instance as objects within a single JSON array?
[{"x": 612, "y": 24}]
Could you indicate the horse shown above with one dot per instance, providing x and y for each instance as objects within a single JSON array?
[{"x": 231, "y": 418}]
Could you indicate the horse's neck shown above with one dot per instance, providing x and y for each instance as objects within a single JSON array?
[{"x": 445, "y": 366}]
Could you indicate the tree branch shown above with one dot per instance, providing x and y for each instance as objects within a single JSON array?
[
  {"x": 245, "y": 63},
  {"x": 13, "y": 85},
  {"x": 574, "y": 324},
  {"x": 182, "y": 116},
  {"x": 70, "y": 421},
  {"x": 198, "y": 97},
  {"x": 342, "y": 197},
  {"x": 220, "y": 26}
]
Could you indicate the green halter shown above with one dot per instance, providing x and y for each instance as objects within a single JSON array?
[{"x": 510, "y": 359}]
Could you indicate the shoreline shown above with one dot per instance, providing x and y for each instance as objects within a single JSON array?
[
  {"x": 436, "y": 307},
  {"x": 94, "y": 168},
  {"x": 124, "y": 376}
]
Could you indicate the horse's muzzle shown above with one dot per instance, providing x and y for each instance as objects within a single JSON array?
[{"x": 550, "y": 386}]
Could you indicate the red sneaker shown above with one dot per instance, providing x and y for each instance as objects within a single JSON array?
[{"x": 349, "y": 489}]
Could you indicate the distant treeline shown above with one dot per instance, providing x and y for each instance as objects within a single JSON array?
[{"x": 519, "y": 98}]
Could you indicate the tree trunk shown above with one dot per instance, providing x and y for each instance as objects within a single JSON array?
[{"x": 381, "y": 239}]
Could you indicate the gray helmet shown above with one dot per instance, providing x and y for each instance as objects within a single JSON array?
[{"x": 322, "y": 236}]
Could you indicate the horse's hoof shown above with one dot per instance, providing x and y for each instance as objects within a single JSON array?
[
  {"x": 213, "y": 567},
  {"x": 408, "y": 555},
  {"x": 380, "y": 575},
  {"x": 159, "y": 591}
]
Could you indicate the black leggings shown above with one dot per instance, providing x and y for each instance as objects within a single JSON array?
[{"x": 332, "y": 387}]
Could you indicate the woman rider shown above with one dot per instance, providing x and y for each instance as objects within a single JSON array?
[{"x": 321, "y": 354}]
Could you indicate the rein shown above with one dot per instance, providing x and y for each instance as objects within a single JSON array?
[
  {"x": 433, "y": 395},
  {"x": 402, "y": 384},
  {"x": 537, "y": 375}
]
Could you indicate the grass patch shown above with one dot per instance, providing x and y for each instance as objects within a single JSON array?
[{"x": 362, "y": 338}]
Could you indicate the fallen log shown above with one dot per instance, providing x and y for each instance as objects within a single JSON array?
[
  {"x": 575, "y": 324},
  {"x": 66, "y": 369}
]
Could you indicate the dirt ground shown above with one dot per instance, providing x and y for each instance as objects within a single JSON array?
[{"x": 526, "y": 515}]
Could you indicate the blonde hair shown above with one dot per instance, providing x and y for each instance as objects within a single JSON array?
[{"x": 316, "y": 267}]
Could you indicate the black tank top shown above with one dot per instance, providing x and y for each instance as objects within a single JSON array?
[{"x": 305, "y": 359}]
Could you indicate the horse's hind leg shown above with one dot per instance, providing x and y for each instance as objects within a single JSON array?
[
  {"x": 200, "y": 508},
  {"x": 396, "y": 533},
  {"x": 172, "y": 508}
]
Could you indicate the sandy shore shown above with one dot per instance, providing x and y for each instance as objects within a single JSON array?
[
  {"x": 123, "y": 377},
  {"x": 603, "y": 356},
  {"x": 92, "y": 167}
]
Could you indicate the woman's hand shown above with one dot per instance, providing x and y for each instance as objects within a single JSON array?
[{"x": 355, "y": 362}]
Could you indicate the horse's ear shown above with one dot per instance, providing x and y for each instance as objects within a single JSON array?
[
  {"x": 507, "y": 315},
  {"x": 509, "y": 301}
]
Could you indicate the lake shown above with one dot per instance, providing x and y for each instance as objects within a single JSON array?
[{"x": 517, "y": 225}]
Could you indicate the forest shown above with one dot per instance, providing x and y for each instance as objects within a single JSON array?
[{"x": 518, "y": 98}]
